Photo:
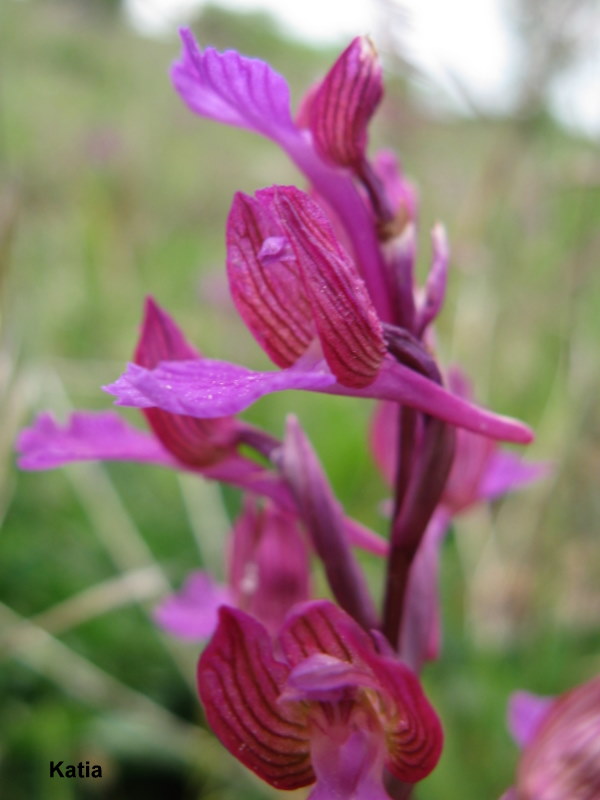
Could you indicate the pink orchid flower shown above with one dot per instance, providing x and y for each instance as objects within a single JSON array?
[
  {"x": 318, "y": 703},
  {"x": 560, "y": 741},
  {"x": 302, "y": 298},
  {"x": 207, "y": 447}
]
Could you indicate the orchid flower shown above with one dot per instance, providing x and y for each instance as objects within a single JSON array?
[
  {"x": 268, "y": 573},
  {"x": 318, "y": 703},
  {"x": 560, "y": 741},
  {"x": 303, "y": 299},
  {"x": 203, "y": 446},
  {"x": 207, "y": 447}
]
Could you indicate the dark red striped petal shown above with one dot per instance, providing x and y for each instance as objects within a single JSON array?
[
  {"x": 194, "y": 442},
  {"x": 322, "y": 627},
  {"x": 239, "y": 682},
  {"x": 339, "y": 111},
  {"x": 347, "y": 323},
  {"x": 413, "y": 731},
  {"x": 265, "y": 283}
]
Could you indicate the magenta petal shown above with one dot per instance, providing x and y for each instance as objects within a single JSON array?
[
  {"x": 346, "y": 320},
  {"x": 239, "y": 683},
  {"x": 268, "y": 293},
  {"x": 100, "y": 436},
  {"x": 340, "y": 109},
  {"x": 402, "y": 385},
  {"x": 526, "y": 713},
  {"x": 322, "y": 627},
  {"x": 351, "y": 768},
  {"x": 193, "y": 612},
  {"x": 507, "y": 471},
  {"x": 269, "y": 569},
  {"x": 233, "y": 89},
  {"x": 207, "y": 388},
  {"x": 323, "y": 678},
  {"x": 160, "y": 338},
  {"x": 194, "y": 442}
]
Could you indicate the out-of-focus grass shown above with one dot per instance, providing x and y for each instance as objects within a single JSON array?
[{"x": 111, "y": 190}]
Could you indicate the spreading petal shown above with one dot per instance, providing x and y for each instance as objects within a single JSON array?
[
  {"x": 87, "y": 436},
  {"x": 233, "y": 89},
  {"x": 525, "y": 714},
  {"x": 239, "y": 683},
  {"x": 193, "y": 612},
  {"x": 507, "y": 471},
  {"x": 208, "y": 388}
]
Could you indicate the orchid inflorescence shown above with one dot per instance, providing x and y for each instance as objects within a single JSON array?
[{"x": 302, "y": 690}]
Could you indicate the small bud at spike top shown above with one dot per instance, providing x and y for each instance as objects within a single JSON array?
[{"x": 340, "y": 109}]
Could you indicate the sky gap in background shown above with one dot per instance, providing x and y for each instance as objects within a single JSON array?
[{"x": 466, "y": 52}]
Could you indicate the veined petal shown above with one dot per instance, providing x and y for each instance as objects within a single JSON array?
[
  {"x": 347, "y": 323},
  {"x": 87, "y": 436},
  {"x": 208, "y": 388},
  {"x": 340, "y": 109},
  {"x": 192, "y": 613},
  {"x": 413, "y": 731},
  {"x": 322, "y": 627},
  {"x": 239, "y": 682},
  {"x": 194, "y": 442},
  {"x": 160, "y": 338},
  {"x": 268, "y": 293},
  {"x": 233, "y": 89}
]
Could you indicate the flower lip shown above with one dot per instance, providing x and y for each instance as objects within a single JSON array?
[{"x": 282, "y": 718}]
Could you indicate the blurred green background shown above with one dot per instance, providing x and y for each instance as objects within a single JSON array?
[{"x": 111, "y": 190}]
